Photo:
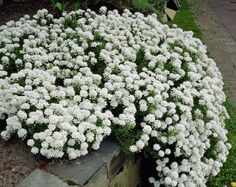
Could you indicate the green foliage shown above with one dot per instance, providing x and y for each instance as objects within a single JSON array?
[
  {"x": 53, "y": 3},
  {"x": 149, "y": 6},
  {"x": 142, "y": 6},
  {"x": 76, "y": 6},
  {"x": 120, "y": 134},
  {"x": 159, "y": 6},
  {"x": 140, "y": 60},
  {"x": 72, "y": 23},
  {"x": 210, "y": 153},
  {"x": 61, "y": 6}
]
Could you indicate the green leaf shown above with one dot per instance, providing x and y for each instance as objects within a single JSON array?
[
  {"x": 77, "y": 6},
  {"x": 59, "y": 6}
]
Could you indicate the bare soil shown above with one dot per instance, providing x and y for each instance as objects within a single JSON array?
[
  {"x": 16, "y": 162},
  {"x": 11, "y": 10}
]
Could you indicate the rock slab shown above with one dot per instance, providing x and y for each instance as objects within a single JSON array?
[{"x": 107, "y": 167}]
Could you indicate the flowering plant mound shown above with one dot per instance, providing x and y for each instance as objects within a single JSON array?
[{"x": 67, "y": 83}]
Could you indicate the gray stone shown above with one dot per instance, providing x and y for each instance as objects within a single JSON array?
[
  {"x": 108, "y": 149},
  {"x": 79, "y": 171},
  {"x": 40, "y": 178},
  {"x": 107, "y": 167},
  {"x": 218, "y": 33},
  {"x": 113, "y": 156},
  {"x": 99, "y": 179}
]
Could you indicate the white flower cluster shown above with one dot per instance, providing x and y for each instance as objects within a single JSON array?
[{"x": 65, "y": 82}]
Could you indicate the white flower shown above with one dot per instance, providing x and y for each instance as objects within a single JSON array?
[
  {"x": 96, "y": 146},
  {"x": 34, "y": 150},
  {"x": 22, "y": 133},
  {"x": 145, "y": 137},
  {"x": 71, "y": 142},
  {"x": 133, "y": 149},
  {"x": 140, "y": 144},
  {"x": 22, "y": 114},
  {"x": 167, "y": 151},
  {"x": 147, "y": 129},
  {"x": 161, "y": 153},
  {"x": 30, "y": 142},
  {"x": 121, "y": 70},
  {"x": 168, "y": 180},
  {"x": 156, "y": 147},
  {"x": 5, "y": 135}
]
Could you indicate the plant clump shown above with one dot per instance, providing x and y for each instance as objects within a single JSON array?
[{"x": 67, "y": 83}]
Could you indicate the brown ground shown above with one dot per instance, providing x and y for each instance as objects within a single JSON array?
[
  {"x": 13, "y": 11},
  {"x": 16, "y": 162}
]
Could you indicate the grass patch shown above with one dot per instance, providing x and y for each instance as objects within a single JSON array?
[
  {"x": 142, "y": 6},
  {"x": 185, "y": 20},
  {"x": 228, "y": 171}
]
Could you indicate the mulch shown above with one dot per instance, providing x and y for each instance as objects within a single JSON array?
[
  {"x": 16, "y": 162},
  {"x": 13, "y": 11}
]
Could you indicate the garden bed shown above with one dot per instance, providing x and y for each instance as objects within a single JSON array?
[{"x": 155, "y": 93}]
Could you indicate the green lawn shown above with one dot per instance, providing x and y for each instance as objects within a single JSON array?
[{"x": 184, "y": 19}]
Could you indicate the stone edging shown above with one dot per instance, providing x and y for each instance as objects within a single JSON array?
[{"x": 107, "y": 167}]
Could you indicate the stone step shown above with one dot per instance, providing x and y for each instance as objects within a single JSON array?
[{"x": 107, "y": 167}]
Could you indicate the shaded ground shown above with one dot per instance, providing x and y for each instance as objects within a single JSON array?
[{"x": 13, "y": 11}]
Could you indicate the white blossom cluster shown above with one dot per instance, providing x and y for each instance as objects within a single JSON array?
[{"x": 65, "y": 82}]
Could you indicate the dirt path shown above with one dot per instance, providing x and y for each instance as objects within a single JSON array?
[
  {"x": 218, "y": 39},
  {"x": 226, "y": 13}
]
